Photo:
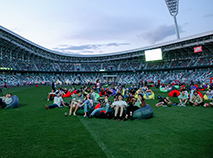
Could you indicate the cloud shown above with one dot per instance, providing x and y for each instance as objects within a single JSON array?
[
  {"x": 208, "y": 15},
  {"x": 159, "y": 33},
  {"x": 89, "y": 48},
  {"x": 109, "y": 28}
]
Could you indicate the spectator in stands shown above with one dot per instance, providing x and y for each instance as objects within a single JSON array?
[
  {"x": 119, "y": 105},
  {"x": 87, "y": 104},
  {"x": 76, "y": 101},
  {"x": 4, "y": 101},
  {"x": 51, "y": 95},
  {"x": 58, "y": 101},
  {"x": 104, "y": 105},
  {"x": 183, "y": 98},
  {"x": 196, "y": 100}
]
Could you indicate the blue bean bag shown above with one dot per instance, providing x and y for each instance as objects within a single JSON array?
[
  {"x": 14, "y": 103},
  {"x": 143, "y": 113}
]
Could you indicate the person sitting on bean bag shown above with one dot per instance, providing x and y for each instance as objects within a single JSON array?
[
  {"x": 183, "y": 98},
  {"x": 76, "y": 101},
  {"x": 87, "y": 104},
  {"x": 51, "y": 95},
  {"x": 196, "y": 100},
  {"x": 104, "y": 105},
  {"x": 164, "y": 102},
  {"x": 119, "y": 105},
  {"x": 56, "y": 103},
  {"x": 5, "y": 101},
  {"x": 134, "y": 105}
]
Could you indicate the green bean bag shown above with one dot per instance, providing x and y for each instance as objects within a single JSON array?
[
  {"x": 176, "y": 86},
  {"x": 143, "y": 113},
  {"x": 163, "y": 90}
]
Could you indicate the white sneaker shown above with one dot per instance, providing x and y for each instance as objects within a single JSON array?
[
  {"x": 74, "y": 113},
  {"x": 48, "y": 100}
]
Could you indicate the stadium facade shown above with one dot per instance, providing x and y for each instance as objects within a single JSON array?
[{"x": 21, "y": 57}]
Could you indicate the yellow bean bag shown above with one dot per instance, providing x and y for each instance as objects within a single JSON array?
[
  {"x": 205, "y": 97},
  {"x": 136, "y": 95},
  {"x": 152, "y": 96}
]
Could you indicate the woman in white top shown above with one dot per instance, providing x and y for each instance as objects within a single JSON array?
[{"x": 119, "y": 105}]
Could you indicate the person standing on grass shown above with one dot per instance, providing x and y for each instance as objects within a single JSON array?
[
  {"x": 196, "y": 100},
  {"x": 77, "y": 99},
  {"x": 87, "y": 104},
  {"x": 183, "y": 98},
  {"x": 119, "y": 105},
  {"x": 105, "y": 103},
  {"x": 5, "y": 101},
  {"x": 56, "y": 103},
  {"x": 98, "y": 85}
]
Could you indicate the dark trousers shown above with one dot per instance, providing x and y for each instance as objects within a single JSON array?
[
  {"x": 53, "y": 106},
  {"x": 2, "y": 104},
  {"x": 131, "y": 109},
  {"x": 201, "y": 104}
]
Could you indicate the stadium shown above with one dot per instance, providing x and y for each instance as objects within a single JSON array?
[
  {"x": 23, "y": 61},
  {"x": 162, "y": 127}
]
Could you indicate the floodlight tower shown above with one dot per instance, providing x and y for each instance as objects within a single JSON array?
[{"x": 173, "y": 9}]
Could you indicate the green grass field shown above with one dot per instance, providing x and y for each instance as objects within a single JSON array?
[{"x": 32, "y": 131}]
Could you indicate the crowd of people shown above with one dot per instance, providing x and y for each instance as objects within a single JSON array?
[{"x": 95, "y": 102}]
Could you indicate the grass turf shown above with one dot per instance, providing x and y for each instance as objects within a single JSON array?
[{"x": 33, "y": 131}]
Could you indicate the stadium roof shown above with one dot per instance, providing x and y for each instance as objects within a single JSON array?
[{"x": 108, "y": 54}]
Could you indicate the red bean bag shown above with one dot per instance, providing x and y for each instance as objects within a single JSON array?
[
  {"x": 98, "y": 105},
  {"x": 200, "y": 94},
  {"x": 202, "y": 89},
  {"x": 174, "y": 93},
  {"x": 102, "y": 94},
  {"x": 67, "y": 95},
  {"x": 74, "y": 92},
  {"x": 196, "y": 86}
]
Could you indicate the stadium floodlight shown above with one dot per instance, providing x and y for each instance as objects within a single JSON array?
[{"x": 173, "y": 9}]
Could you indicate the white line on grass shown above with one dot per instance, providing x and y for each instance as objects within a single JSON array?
[{"x": 98, "y": 141}]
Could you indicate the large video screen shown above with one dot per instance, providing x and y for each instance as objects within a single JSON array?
[{"x": 154, "y": 54}]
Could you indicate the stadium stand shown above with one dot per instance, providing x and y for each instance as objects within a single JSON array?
[{"x": 24, "y": 62}]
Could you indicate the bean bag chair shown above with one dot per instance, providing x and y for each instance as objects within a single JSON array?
[
  {"x": 67, "y": 95},
  {"x": 150, "y": 96},
  {"x": 74, "y": 92},
  {"x": 81, "y": 111},
  {"x": 113, "y": 92},
  {"x": 163, "y": 90},
  {"x": 143, "y": 113},
  {"x": 196, "y": 86},
  {"x": 136, "y": 95},
  {"x": 200, "y": 94},
  {"x": 176, "y": 86},
  {"x": 205, "y": 97},
  {"x": 103, "y": 114},
  {"x": 202, "y": 89},
  {"x": 98, "y": 105},
  {"x": 174, "y": 93},
  {"x": 14, "y": 103}
]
